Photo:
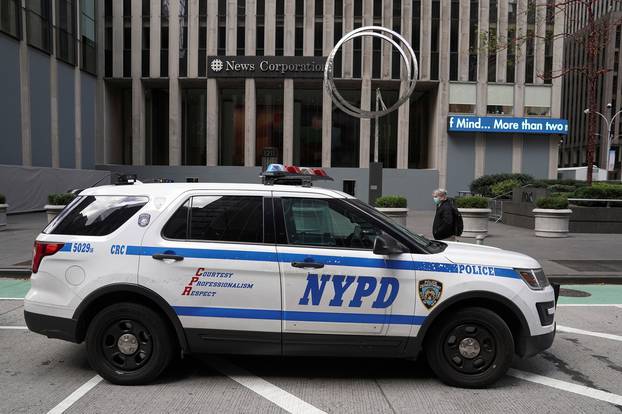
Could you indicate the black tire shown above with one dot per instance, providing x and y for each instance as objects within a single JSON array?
[
  {"x": 456, "y": 365},
  {"x": 144, "y": 329}
]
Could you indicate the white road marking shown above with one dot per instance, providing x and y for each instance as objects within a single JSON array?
[
  {"x": 589, "y": 304},
  {"x": 13, "y": 327},
  {"x": 11, "y": 298},
  {"x": 567, "y": 386},
  {"x": 568, "y": 329},
  {"x": 271, "y": 392},
  {"x": 76, "y": 395}
]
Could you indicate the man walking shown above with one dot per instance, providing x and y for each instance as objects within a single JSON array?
[{"x": 444, "y": 227}]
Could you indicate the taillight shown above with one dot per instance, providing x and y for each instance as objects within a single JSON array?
[{"x": 42, "y": 249}]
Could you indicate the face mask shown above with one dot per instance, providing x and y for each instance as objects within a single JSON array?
[{"x": 437, "y": 201}]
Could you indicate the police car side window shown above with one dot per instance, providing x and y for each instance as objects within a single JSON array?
[
  {"x": 177, "y": 226},
  {"x": 327, "y": 222},
  {"x": 97, "y": 215}
]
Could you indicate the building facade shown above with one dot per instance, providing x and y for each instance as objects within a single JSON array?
[
  {"x": 164, "y": 109},
  {"x": 573, "y": 151}
]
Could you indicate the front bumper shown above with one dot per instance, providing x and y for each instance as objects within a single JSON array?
[
  {"x": 530, "y": 345},
  {"x": 52, "y": 326}
]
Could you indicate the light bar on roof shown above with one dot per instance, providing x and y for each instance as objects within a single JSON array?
[{"x": 293, "y": 174}]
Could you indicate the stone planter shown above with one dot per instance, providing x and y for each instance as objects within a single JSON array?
[
  {"x": 3, "y": 208},
  {"x": 397, "y": 214},
  {"x": 475, "y": 221},
  {"x": 52, "y": 210},
  {"x": 551, "y": 223}
]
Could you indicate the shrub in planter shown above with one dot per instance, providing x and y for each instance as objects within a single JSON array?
[
  {"x": 561, "y": 188},
  {"x": 471, "y": 202},
  {"x": 552, "y": 216},
  {"x": 475, "y": 214},
  {"x": 598, "y": 190},
  {"x": 60, "y": 199},
  {"x": 552, "y": 203},
  {"x": 391, "y": 201},
  {"x": 504, "y": 188},
  {"x": 483, "y": 184}
]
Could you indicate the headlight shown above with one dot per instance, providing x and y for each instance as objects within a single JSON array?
[{"x": 534, "y": 278}]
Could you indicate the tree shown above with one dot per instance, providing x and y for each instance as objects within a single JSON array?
[{"x": 591, "y": 32}]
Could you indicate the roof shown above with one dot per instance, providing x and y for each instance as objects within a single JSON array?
[{"x": 168, "y": 189}]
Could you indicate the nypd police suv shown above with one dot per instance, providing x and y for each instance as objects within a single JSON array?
[{"x": 141, "y": 272}]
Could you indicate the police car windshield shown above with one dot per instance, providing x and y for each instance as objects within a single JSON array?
[{"x": 428, "y": 245}]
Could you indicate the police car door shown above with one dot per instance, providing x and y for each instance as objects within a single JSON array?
[
  {"x": 211, "y": 260},
  {"x": 333, "y": 284}
]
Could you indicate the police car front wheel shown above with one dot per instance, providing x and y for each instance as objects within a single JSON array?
[
  {"x": 471, "y": 348},
  {"x": 129, "y": 344}
]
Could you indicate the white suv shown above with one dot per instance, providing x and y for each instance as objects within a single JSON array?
[{"x": 142, "y": 272}]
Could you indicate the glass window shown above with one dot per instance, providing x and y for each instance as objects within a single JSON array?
[
  {"x": 227, "y": 218},
  {"x": 10, "y": 17},
  {"x": 453, "y": 40},
  {"x": 387, "y": 131},
  {"x": 96, "y": 215},
  {"x": 177, "y": 226},
  {"x": 327, "y": 222},
  {"x": 156, "y": 127},
  {"x": 345, "y": 133},
  {"x": 269, "y": 126},
  {"x": 420, "y": 119},
  {"x": 194, "y": 132},
  {"x": 461, "y": 109},
  {"x": 231, "y": 130},
  {"x": 87, "y": 35},
  {"x": 499, "y": 110},
  {"x": 38, "y": 25},
  {"x": 537, "y": 111},
  {"x": 473, "y": 38},
  {"x": 307, "y": 127}
]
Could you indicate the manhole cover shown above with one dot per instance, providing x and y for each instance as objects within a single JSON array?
[{"x": 573, "y": 293}]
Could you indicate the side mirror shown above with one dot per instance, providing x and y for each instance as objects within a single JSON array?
[{"x": 386, "y": 245}]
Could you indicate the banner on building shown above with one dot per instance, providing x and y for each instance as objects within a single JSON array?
[
  {"x": 265, "y": 67},
  {"x": 488, "y": 124}
]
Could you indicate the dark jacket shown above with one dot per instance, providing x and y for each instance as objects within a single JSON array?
[{"x": 444, "y": 221}]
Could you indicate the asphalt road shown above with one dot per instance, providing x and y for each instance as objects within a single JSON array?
[{"x": 580, "y": 373}]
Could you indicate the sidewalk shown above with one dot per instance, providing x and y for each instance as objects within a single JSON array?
[{"x": 581, "y": 255}]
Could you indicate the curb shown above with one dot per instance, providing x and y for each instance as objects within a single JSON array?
[{"x": 16, "y": 272}]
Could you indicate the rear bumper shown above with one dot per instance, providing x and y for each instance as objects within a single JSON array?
[
  {"x": 52, "y": 326},
  {"x": 530, "y": 345}
]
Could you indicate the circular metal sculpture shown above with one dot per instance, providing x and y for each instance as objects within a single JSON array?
[{"x": 402, "y": 46}]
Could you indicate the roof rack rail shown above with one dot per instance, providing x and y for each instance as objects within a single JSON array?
[{"x": 293, "y": 175}]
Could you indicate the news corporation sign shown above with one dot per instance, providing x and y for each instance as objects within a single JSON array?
[
  {"x": 265, "y": 67},
  {"x": 489, "y": 124}
]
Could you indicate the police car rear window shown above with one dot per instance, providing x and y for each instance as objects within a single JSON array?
[
  {"x": 96, "y": 215},
  {"x": 218, "y": 218}
]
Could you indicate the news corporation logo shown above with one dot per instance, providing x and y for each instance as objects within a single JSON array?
[{"x": 216, "y": 65}]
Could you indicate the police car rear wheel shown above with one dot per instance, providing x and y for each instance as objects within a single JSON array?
[
  {"x": 471, "y": 348},
  {"x": 129, "y": 344}
]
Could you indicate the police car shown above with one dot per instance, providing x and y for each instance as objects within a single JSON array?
[{"x": 146, "y": 272}]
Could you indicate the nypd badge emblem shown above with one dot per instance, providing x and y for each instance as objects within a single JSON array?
[{"x": 430, "y": 292}]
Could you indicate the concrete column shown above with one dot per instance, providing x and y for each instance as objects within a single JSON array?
[
  {"x": 556, "y": 91},
  {"x": 213, "y": 120},
  {"x": 250, "y": 21},
  {"x": 288, "y": 121},
  {"x": 174, "y": 95},
  {"x": 270, "y": 28},
  {"x": 138, "y": 100},
  {"x": 308, "y": 38},
  {"x": 193, "y": 38},
  {"x": 385, "y": 47},
  {"x": 365, "y": 141},
  {"x": 426, "y": 35},
  {"x": 482, "y": 88},
  {"x": 519, "y": 84},
  {"x": 539, "y": 41},
  {"x": 443, "y": 92},
  {"x": 77, "y": 94},
  {"x": 403, "y": 114},
  {"x": 463, "y": 41},
  {"x": 54, "y": 140},
  {"x": 347, "y": 48},
  {"x": 154, "y": 38},
  {"x": 24, "y": 90},
  {"x": 502, "y": 36},
  {"x": 327, "y": 103},
  {"x": 249, "y": 122},
  {"x": 213, "y": 101},
  {"x": 231, "y": 27},
  {"x": 117, "y": 39},
  {"x": 101, "y": 124}
]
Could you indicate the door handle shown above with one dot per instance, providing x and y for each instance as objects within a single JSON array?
[
  {"x": 308, "y": 265},
  {"x": 168, "y": 257}
]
